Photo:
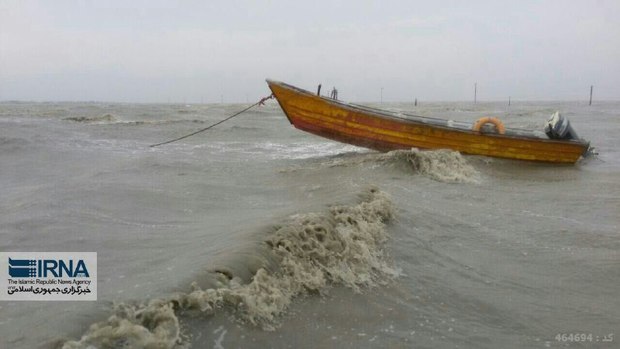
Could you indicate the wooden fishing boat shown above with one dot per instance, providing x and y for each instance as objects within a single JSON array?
[{"x": 384, "y": 130}]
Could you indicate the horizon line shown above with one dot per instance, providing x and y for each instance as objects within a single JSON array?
[{"x": 512, "y": 101}]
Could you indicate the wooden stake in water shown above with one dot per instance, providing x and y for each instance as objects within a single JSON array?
[
  {"x": 508, "y": 100},
  {"x": 591, "y": 88},
  {"x": 475, "y": 92}
]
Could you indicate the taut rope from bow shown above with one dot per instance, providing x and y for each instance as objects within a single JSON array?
[{"x": 261, "y": 102}]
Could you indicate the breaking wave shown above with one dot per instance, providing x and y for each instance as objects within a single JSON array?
[
  {"x": 160, "y": 122},
  {"x": 440, "y": 165},
  {"x": 93, "y": 119},
  {"x": 111, "y": 119},
  {"x": 310, "y": 252},
  {"x": 12, "y": 143}
]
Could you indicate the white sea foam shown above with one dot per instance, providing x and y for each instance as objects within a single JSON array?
[
  {"x": 314, "y": 250},
  {"x": 440, "y": 165}
]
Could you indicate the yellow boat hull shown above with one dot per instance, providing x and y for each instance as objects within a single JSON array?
[{"x": 384, "y": 131}]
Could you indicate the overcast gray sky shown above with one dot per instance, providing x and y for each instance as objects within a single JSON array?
[{"x": 193, "y": 51}]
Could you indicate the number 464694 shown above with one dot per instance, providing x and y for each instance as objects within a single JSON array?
[
  {"x": 574, "y": 337},
  {"x": 582, "y": 337}
]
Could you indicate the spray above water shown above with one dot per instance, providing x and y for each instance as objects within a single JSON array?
[
  {"x": 313, "y": 251},
  {"x": 440, "y": 165}
]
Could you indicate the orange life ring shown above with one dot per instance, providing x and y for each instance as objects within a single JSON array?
[{"x": 499, "y": 126}]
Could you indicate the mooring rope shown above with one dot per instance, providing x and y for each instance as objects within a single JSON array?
[{"x": 261, "y": 102}]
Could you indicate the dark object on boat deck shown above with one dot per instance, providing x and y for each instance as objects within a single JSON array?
[
  {"x": 334, "y": 93},
  {"x": 558, "y": 127}
]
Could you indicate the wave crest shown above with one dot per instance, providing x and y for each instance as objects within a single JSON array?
[
  {"x": 313, "y": 250},
  {"x": 93, "y": 119},
  {"x": 441, "y": 165}
]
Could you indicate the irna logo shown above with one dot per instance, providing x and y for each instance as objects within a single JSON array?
[{"x": 31, "y": 268}]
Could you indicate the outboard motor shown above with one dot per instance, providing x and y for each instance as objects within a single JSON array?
[{"x": 558, "y": 127}]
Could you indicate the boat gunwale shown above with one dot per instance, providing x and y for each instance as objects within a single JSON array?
[{"x": 381, "y": 113}]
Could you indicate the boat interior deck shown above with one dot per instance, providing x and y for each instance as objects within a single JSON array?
[{"x": 460, "y": 125}]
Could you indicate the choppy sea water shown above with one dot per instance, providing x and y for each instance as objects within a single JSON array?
[{"x": 256, "y": 235}]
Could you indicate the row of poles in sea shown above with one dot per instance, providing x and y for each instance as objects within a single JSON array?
[
  {"x": 476, "y": 94},
  {"x": 415, "y": 103}
]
